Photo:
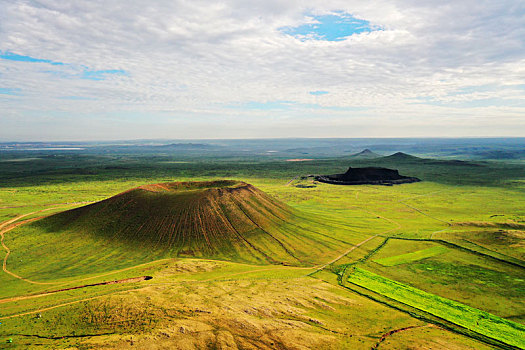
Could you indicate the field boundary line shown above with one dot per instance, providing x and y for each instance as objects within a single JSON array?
[
  {"x": 423, "y": 213},
  {"x": 294, "y": 178},
  {"x": 344, "y": 254},
  {"x": 363, "y": 242},
  {"x": 419, "y": 210},
  {"x": 459, "y": 247},
  {"x": 453, "y": 318}
]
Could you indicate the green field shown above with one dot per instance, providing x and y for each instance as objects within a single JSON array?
[
  {"x": 410, "y": 257},
  {"x": 466, "y": 276},
  {"x": 479, "y": 321},
  {"x": 457, "y": 236}
]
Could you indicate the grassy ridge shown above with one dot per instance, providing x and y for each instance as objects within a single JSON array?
[
  {"x": 492, "y": 326},
  {"x": 410, "y": 257}
]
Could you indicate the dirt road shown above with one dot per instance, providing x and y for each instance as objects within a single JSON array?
[
  {"x": 8, "y": 226},
  {"x": 37, "y": 295}
]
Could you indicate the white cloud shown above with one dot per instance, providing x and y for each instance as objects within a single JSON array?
[{"x": 190, "y": 60}]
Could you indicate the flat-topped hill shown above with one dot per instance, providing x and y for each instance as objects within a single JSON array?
[
  {"x": 368, "y": 175},
  {"x": 229, "y": 220}
]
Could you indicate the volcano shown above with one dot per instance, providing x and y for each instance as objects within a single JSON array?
[
  {"x": 365, "y": 154},
  {"x": 401, "y": 157},
  {"x": 226, "y": 219}
]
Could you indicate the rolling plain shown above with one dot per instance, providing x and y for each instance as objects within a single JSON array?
[{"x": 155, "y": 251}]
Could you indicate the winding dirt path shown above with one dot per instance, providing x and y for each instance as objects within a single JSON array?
[
  {"x": 56, "y": 306},
  {"x": 15, "y": 222},
  {"x": 362, "y": 242},
  {"x": 394, "y": 331},
  {"x": 344, "y": 254},
  {"x": 8, "y": 226},
  {"x": 11, "y": 224},
  {"x": 37, "y": 295}
]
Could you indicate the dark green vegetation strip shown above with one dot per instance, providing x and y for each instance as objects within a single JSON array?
[
  {"x": 413, "y": 256},
  {"x": 341, "y": 270},
  {"x": 49, "y": 168},
  {"x": 473, "y": 319}
]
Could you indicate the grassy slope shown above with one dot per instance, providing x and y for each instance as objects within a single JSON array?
[{"x": 197, "y": 303}]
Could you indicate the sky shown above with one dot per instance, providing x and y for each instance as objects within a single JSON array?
[{"x": 110, "y": 70}]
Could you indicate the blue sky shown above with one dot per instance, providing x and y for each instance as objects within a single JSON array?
[
  {"x": 21, "y": 58},
  {"x": 333, "y": 27},
  {"x": 9, "y": 91},
  {"x": 84, "y": 72},
  {"x": 319, "y": 93},
  {"x": 182, "y": 69},
  {"x": 101, "y": 74}
]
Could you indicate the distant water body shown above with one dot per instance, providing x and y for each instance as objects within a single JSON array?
[{"x": 45, "y": 149}]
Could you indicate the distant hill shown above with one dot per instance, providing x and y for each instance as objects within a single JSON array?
[
  {"x": 400, "y": 156},
  {"x": 365, "y": 154},
  {"x": 186, "y": 146},
  {"x": 404, "y": 158}
]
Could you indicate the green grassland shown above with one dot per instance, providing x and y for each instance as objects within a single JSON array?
[
  {"x": 470, "y": 217},
  {"x": 101, "y": 239},
  {"x": 413, "y": 256},
  {"x": 196, "y": 302},
  {"x": 479, "y": 281},
  {"x": 479, "y": 321}
]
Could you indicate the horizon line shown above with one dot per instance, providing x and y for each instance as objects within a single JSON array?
[{"x": 269, "y": 138}]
